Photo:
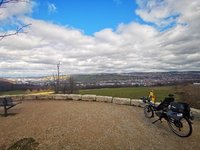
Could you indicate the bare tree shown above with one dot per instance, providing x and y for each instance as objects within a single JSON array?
[
  {"x": 67, "y": 84},
  {"x": 64, "y": 86},
  {"x": 54, "y": 83},
  {"x": 71, "y": 84},
  {"x": 19, "y": 30},
  {"x": 3, "y": 4}
]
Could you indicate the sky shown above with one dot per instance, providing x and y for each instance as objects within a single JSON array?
[{"x": 99, "y": 36}]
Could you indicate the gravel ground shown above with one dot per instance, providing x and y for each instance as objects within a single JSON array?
[{"x": 58, "y": 125}]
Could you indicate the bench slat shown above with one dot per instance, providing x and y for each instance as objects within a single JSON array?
[{"x": 6, "y": 102}]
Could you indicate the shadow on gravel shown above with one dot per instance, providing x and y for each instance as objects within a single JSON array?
[
  {"x": 9, "y": 114},
  {"x": 24, "y": 144}
]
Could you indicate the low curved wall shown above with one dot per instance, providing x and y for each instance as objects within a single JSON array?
[{"x": 78, "y": 97}]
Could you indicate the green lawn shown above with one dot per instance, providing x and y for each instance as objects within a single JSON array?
[
  {"x": 16, "y": 92},
  {"x": 133, "y": 92}
]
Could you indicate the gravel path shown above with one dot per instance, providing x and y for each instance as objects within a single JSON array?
[{"x": 58, "y": 125}]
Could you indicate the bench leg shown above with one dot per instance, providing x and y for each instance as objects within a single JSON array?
[{"x": 5, "y": 111}]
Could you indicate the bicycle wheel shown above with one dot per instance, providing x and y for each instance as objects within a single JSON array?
[
  {"x": 148, "y": 111},
  {"x": 182, "y": 128}
]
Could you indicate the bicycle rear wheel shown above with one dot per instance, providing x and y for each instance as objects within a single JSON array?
[{"x": 182, "y": 128}]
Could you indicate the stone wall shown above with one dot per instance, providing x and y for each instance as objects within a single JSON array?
[{"x": 78, "y": 97}]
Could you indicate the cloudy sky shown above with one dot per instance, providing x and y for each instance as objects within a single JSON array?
[{"x": 100, "y": 36}]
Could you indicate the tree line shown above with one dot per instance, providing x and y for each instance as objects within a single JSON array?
[{"x": 65, "y": 86}]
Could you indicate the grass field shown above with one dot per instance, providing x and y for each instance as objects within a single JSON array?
[
  {"x": 133, "y": 92},
  {"x": 13, "y": 92}
]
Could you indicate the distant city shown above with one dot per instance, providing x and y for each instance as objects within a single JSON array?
[{"x": 84, "y": 81}]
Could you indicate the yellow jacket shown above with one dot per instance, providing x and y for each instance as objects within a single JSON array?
[{"x": 152, "y": 96}]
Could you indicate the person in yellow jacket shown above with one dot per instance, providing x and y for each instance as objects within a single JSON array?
[{"x": 152, "y": 96}]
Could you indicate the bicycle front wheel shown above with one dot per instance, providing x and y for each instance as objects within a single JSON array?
[{"x": 148, "y": 111}]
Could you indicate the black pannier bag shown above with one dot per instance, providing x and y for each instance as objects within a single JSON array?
[{"x": 180, "y": 107}]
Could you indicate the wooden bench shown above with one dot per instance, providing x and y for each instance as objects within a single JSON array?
[{"x": 7, "y": 103}]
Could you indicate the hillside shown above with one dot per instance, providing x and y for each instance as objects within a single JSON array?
[{"x": 5, "y": 84}]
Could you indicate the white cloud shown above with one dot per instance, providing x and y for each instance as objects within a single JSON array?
[
  {"x": 131, "y": 47},
  {"x": 51, "y": 8},
  {"x": 16, "y": 9},
  {"x": 165, "y": 12},
  {"x": 158, "y": 12}
]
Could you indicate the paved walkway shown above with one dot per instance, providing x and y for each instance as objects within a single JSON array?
[{"x": 81, "y": 125}]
